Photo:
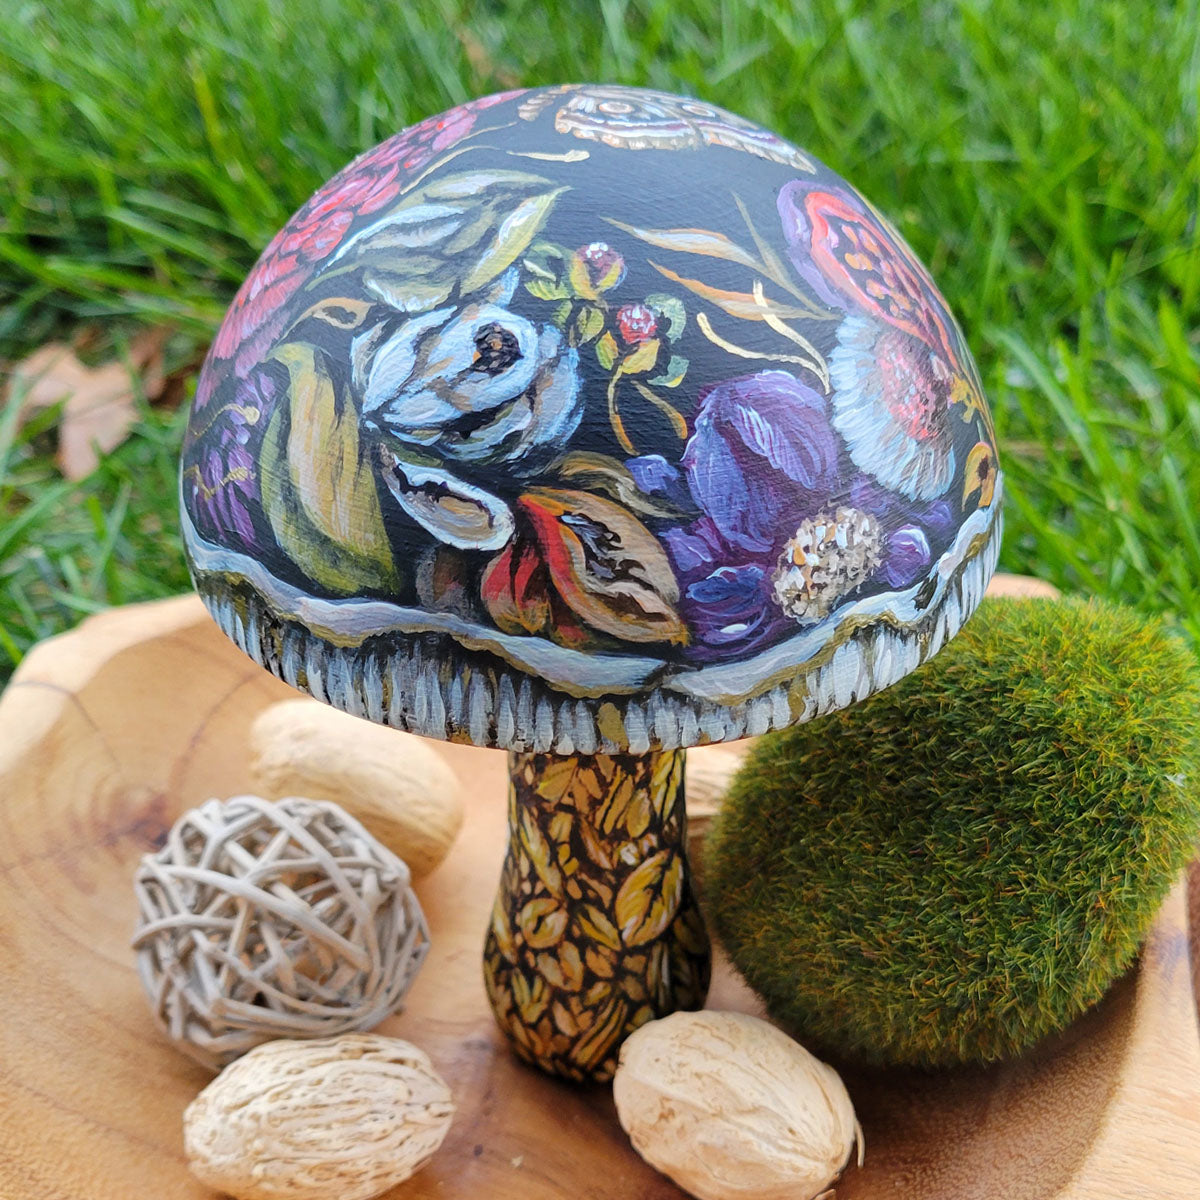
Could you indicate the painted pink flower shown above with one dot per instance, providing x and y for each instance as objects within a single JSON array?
[
  {"x": 371, "y": 182},
  {"x": 605, "y": 266}
]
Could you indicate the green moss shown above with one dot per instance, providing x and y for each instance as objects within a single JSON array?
[{"x": 963, "y": 864}]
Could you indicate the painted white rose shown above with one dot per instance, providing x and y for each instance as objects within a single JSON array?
[{"x": 467, "y": 385}]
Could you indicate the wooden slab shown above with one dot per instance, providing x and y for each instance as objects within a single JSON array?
[{"x": 107, "y": 733}]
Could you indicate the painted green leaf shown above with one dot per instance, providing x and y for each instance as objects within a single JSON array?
[
  {"x": 606, "y": 351},
  {"x": 674, "y": 373},
  {"x": 407, "y": 293},
  {"x": 591, "y": 323},
  {"x": 546, "y": 289},
  {"x": 671, "y": 308},
  {"x": 513, "y": 233},
  {"x": 318, "y": 488},
  {"x": 460, "y": 230}
]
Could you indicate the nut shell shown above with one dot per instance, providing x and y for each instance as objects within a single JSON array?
[
  {"x": 348, "y": 1117},
  {"x": 396, "y": 784},
  {"x": 732, "y": 1109}
]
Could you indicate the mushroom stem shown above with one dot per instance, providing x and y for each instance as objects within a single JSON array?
[{"x": 595, "y": 929}]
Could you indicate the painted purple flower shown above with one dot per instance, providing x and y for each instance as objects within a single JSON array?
[
  {"x": 762, "y": 452},
  {"x": 781, "y": 541},
  {"x": 762, "y": 455},
  {"x": 656, "y": 477},
  {"x": 909, "y": 530},
  {"x": 221, "y": 484},
  {"x": 907, "y": 556},
  {"x": 731, "y": 606}
]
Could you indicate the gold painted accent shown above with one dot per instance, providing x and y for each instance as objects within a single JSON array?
[
  {"x": 250, "y": 414},
  {"x": 237, "y": 475},
  {"x": 717, "y": 340},
  {"x": 818, "y": 367}
]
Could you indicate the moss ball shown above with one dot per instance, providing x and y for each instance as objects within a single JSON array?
[{"x": 961, "y": 865}]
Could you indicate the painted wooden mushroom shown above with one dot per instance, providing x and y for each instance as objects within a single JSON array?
[{"x": 592, "y": 423}]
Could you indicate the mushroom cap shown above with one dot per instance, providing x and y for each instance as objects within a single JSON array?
[{"x": 584, "y": 419}]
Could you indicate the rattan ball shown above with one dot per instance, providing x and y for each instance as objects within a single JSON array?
[{"x": 268, "y": 919}]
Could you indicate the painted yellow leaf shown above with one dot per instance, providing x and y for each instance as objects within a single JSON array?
[
  {"x": 649, "y": 898},
  {"x": 563, "y": 968},
  {"x": 598, "y": 928},
  {"x": 736, "y": 304},
  {"x": 594, "y": 848},
  {"x": 979, "y": 474},
  {"x": 564, "y": 1022},
  {"x": 502, "y": 929},
  {"x": 512, "y": 237},
  {"x": 642, "y": 359},
  {"x": 693, "y": 241},
  {"x": 542, "y": 921},
  {"x": 532, "y": 996},
  {"x": 559, "y": 831},
  {"x": 611, "y": 814},
  {"x": 665, "y": 780},
  {"x": 667, "y": 409},
  {"x": 558, "y": 776},
  {"x": 601, "y": 965},
  {"x": 638, "y": 813},
  {"x": 338, "y": 311},
  {"x": 598, "y": 1043},
  {"x": 318, "y": 487},
  {"x": 541, "y": 857}
]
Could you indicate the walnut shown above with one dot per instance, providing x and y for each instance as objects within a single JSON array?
[
  {"x": 732, "y": 1109},
  {"x": 395, "y": 784},
  {"x": 349, "y": 1117}
]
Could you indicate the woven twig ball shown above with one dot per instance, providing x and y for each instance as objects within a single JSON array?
[{"x": 262, "y": 920}]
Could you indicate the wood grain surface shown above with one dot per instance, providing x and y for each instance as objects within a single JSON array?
[{"x": 108, "y": 733}]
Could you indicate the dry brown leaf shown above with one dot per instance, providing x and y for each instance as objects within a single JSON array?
[
  {"x": 98, "y": 402},
  {"x": 50, "y": 374},
  {"x": 97, "y": 418}
]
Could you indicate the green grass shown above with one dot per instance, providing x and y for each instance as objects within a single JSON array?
[{"x": 1043, "y": 156}]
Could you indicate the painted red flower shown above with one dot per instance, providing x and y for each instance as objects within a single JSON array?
[
  {"x": 636, "y": 323},
  {"x": 368, "y": 184}
]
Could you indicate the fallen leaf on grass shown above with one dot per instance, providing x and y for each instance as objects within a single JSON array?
[{"x": 98, "y": 402}]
